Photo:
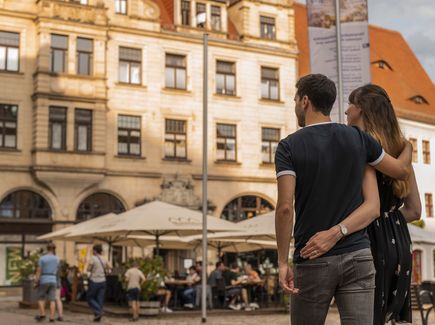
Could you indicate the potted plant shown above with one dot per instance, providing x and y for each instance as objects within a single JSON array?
[
  {"x": 27, "y": 268},
  {"x": 154, "y": 273}
]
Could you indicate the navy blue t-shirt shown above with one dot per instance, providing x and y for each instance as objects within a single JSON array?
[{"x": 328, "y": 161}]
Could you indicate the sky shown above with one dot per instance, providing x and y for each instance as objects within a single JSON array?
[{"x": 414, "y": 19}]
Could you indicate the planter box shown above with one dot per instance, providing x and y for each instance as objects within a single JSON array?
[
  {"x": 30, "y": 294},
  {"x": 149, "y": 308}
]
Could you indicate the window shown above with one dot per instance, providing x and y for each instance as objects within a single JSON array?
[
  {"x": 129, "y": 135},
  {"x": 269, "y": 83},
  {"x": 226, "y": 142},
  {"x": 98, "y": 204},
  {"x": 382, "y": 64},
  {"x": 267, "y": 27},
  {"x": 426, "y": 152},
  {"x": 57, "y": 128},
  {"x": 185, "y": 12},
  {"x": 269, "y": 142},
  {"x": 429, "y": 205},
  {"x": 246, "y": 207},
  {"x": 215, "y": 18},
  {"x": 83, "y": 130},
  {"x": 84, "y": 56},
  {"x": 226, "y": 78},
  {"x": 25, "y": 205},
  {"x": 175, "y": 74},
  {"x": 121, "y": 7},
  {"x": 417, "y": 269},
  {"x": 82, "y": 2},
  {"x": 59, "y": 50},
  {"x": 175, "y": 139},
  {"x": 419, "y": 100},
  {"x": 201, "y": 16},
  {"x": 413, "y": 141},
  {"x": 8, "y": 126},
  {"x": 130, "y": 64},
  {"x": 9, "y": 51}
]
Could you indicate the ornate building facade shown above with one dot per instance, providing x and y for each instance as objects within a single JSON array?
[{"x": 101, "y": 109}]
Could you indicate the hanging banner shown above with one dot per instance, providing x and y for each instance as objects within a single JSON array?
[{"x": 355, "y": 50}]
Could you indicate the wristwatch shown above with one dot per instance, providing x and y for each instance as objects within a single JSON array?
[{"x": 343, "y": 229}]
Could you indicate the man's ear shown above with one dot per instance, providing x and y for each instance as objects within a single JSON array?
[{"x": 305, "y": 102}]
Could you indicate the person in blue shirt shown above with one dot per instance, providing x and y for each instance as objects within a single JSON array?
[{"x": 46, "y": 279}]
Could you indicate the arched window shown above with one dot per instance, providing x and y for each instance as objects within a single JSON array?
[
  {"x": 97, "y": 205},
  {"x": 245, "y": 207},
  {"x": 416, "y": 266},
  {"x": 25, "y": 205}
]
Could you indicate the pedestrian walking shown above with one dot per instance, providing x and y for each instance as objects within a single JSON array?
[
  {"x": 135, "y": 278},
  {"x": 46, "y": 282},
  {"x": 98, "y": 268}
]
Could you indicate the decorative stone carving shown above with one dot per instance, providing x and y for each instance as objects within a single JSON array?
[
  {"x": 178, "y": 189},
  {"x": 74, "y": 12},
  {"x": 148, "y": 10}
]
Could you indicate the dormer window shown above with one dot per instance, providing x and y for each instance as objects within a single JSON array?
[
  {"x": 185, "y": 12},
  {"x": 216, "y": 18},
  {"x": 419, "y": 100},
  {"x": 267, "y": 27},
  {"x": 382, "y": 64},
  {"x": 201, "y": 15}
]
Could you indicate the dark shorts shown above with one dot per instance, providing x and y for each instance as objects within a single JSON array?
[
  {"x": 133, "y": 294},
  {"x": 236, "y": 291},
  {"x": 47, "y": 291}
]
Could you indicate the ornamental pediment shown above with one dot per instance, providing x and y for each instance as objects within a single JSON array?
[{"x": 73, "y": 12}]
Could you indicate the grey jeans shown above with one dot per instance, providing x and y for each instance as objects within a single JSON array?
[{"x": 350, "y": 278}]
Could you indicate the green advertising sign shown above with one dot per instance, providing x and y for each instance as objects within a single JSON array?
[{"x": 13, "y": 257}]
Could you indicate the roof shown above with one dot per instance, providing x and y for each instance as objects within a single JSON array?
[{"x": 407, "y": 78}]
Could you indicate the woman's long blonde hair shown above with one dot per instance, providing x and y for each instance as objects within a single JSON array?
[{"x": 381, "y": 122}]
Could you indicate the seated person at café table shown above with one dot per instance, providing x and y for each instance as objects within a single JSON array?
[
  {"x": 164, "y": 292},
  {"x": 252, "y": 279},
  {"x": 234, "y": 290},
  {"x": 216, "y": 281},
  {"x": 189, "y": 293}
]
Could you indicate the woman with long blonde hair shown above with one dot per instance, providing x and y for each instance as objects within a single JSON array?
[{"x": 371, "y": 110}]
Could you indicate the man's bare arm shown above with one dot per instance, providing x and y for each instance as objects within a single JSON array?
[
  {"x": 399, "y": 168},
  {"x": 411, "y": 209},
  {"x": 360, "y": 218},
  {"x": 283, "y": 229}
]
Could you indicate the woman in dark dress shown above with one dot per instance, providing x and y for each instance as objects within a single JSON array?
[{"x": 370, "y": 109}]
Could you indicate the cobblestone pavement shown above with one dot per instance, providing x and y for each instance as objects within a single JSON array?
[{"x": 10, "y": 314}]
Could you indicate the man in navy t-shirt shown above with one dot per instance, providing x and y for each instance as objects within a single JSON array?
[{"x": 322, "y": 167}]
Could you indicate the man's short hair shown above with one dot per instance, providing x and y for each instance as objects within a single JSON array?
[
  {"x": 192, "y": 268},
  {"x": 320, "y": 90},
  {"x": 234, "y": 265},
  {"x": 219, "y": 264},
  {"x": 98, "y": 248},
  {"x": 51, "y": 247}
]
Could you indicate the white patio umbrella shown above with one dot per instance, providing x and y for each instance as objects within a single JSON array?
[
  {"x": 155, "y": 219},
  {"x": 88, "y": 224}
]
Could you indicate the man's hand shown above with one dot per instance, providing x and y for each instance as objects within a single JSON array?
[
  {"x": 321, "y": 243},
  {"x": 286, "y": 279}
]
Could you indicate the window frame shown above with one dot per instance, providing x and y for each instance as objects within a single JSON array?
[
  {"x": 277, "y": 80},
  {"x": 197, "y": 12},
  {"x": 414, "y": 143},
  {"x": 89, "y": 130},
  {"x": 7, "y": 47},
  {"x": 428, "y": 202},
  {"x": 214, "y": 15},
  {"x": 186, "y": 11},
  {"x": 174, "y": 139},
  {"x": 129, "y": 136},
  {"x": 426, "y": 152},
  {"x": 176, "y": 68},
  {"x": 270, "y": 142},
  {"x": 268, "y": 26},
  {"x": 227, "y": 137},
  {"x": 3, "y": 128},
  {"x": 129, "y": 63},
  {"x": 64, "y": 125},
  {"x": 64, "y": 54},
  {"x": 120, "y": 4},
  {"x": 226, "y": 74},
  {"x": 90, "y": 57}
]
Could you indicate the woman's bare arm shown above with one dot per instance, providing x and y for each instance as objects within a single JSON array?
[{"x": 411, "y": 208}]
